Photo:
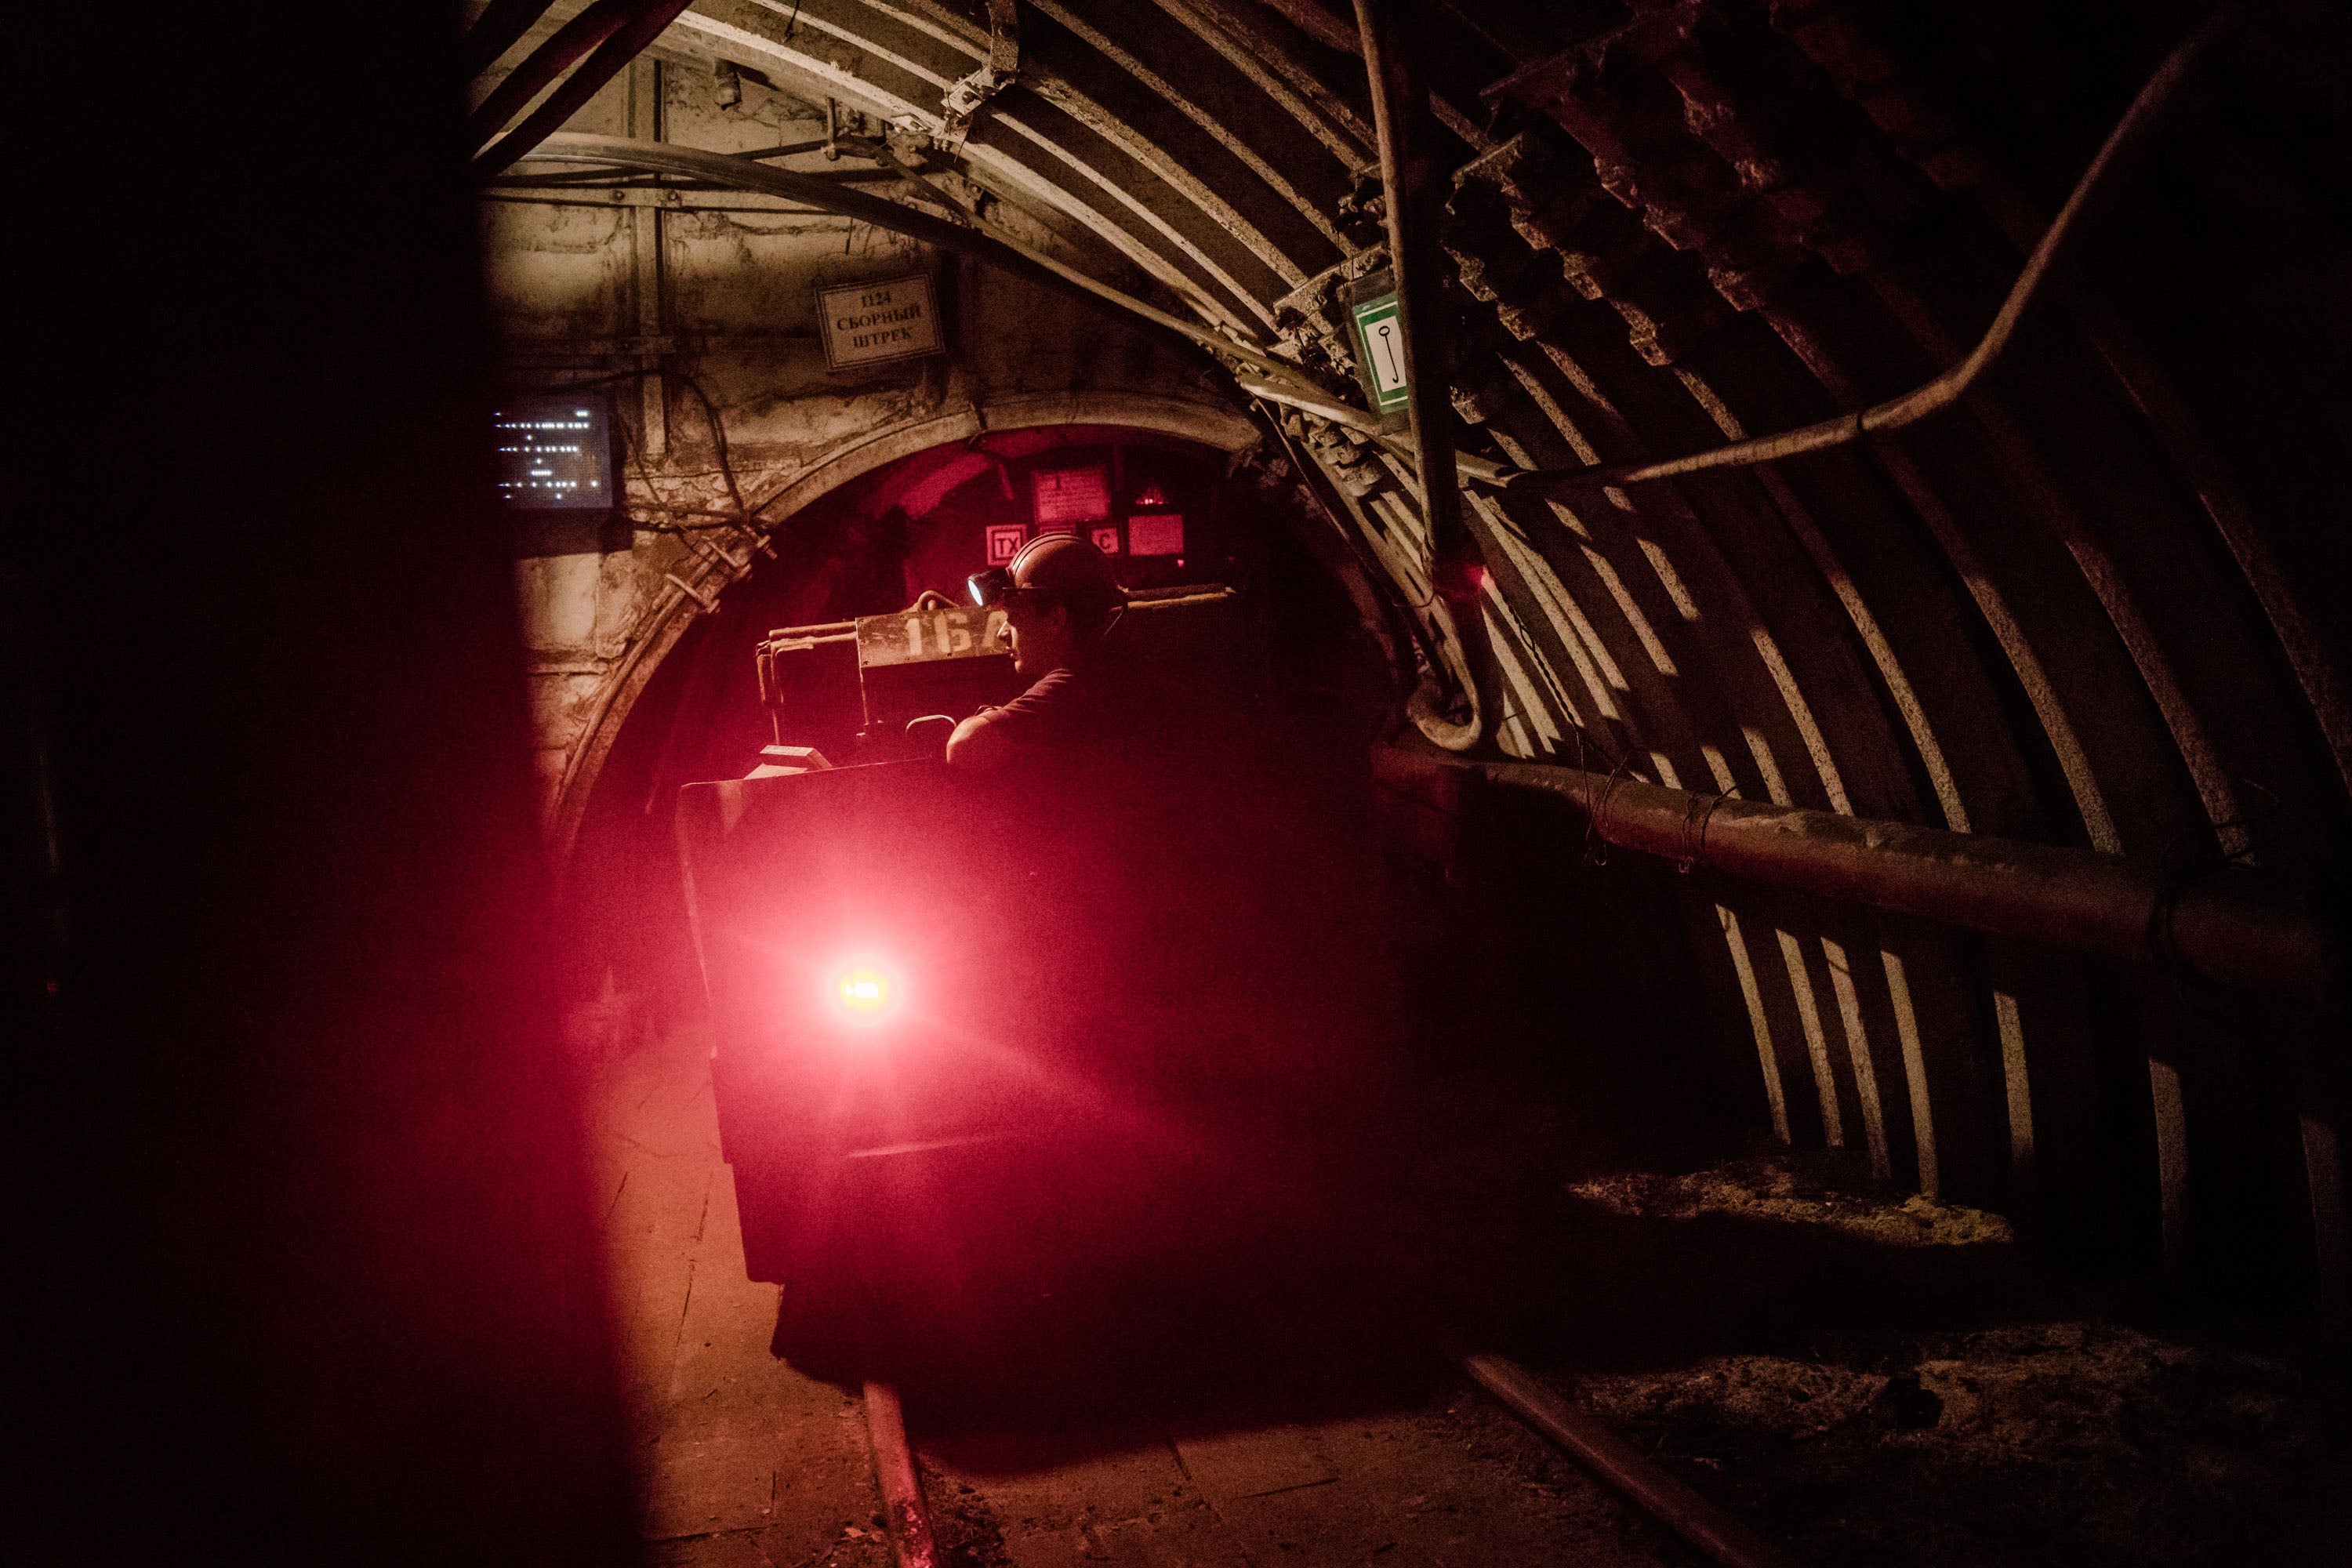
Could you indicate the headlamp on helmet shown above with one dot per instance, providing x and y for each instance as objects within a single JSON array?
[{"x": 1056, "y": 566}]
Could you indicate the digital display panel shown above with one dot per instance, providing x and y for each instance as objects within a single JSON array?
[{"x": 555, "y": 452}]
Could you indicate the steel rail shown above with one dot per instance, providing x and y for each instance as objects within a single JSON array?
[
  {"x": 2230, "y": 924},
  {"x": 1623, "y": 1467},
  {"x": 914, "y": 1540},
  {"x": 1933, "y": 397},
  {"x": 913, "y": 1544}
]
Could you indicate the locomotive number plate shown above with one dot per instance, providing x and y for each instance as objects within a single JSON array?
[{"x": 918, "y": 637}]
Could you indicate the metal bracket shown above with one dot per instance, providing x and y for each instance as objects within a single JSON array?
[
  {"x": 959, "y": 109},
  {"x": 710, "y": 552},
  {"x": 710, "y": 602}
]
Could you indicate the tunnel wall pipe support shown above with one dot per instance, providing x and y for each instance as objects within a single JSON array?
[
  {"x": 2232, "y": 925},
  {"x": 500, "y": 24},
  {"x": 636, "y": 32},
  {"x": 1405, "y": 628},
  {"x": 1921, "y": 402},
  {"x": 1944, "y": 391}
]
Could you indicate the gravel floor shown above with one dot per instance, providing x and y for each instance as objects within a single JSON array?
[{"x": 1877, "y": 1379}]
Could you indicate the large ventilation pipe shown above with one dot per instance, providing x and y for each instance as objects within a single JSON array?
[{"x": 2230, "y": 924}]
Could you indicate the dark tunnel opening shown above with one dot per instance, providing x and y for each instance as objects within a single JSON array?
[{"x": 873, "y": 547}]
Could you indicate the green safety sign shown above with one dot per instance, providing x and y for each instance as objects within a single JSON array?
[{"x": 1380, "y": 337}]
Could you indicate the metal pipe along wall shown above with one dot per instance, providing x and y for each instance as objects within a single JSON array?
[{"x": 2232, "y": 925}]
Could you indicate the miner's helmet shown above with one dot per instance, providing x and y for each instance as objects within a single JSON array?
[{"x": 1060, "y": 568}]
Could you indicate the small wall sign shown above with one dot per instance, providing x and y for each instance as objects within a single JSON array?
[
  {"x": 1380, "y": 332},
  {"x": 1156, "y": 533},
  {"x": 875, "y": 322},
  {"x": 1065, "y": 496},
  {"x": 1004, "y": 543}
]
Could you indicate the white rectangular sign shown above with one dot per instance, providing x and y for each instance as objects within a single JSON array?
[{"x": 872, "y": 323}]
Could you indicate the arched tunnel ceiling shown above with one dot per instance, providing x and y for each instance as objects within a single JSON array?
[
  {"x": 2090, "y": 605},
  {"x": 1222, "y": 187},
  {"x": 1674, "y": 223}
]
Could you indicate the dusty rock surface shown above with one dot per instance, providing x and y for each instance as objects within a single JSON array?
[{"x": 2037, "y": 1425}]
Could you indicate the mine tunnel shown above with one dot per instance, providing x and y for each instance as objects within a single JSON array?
[{"x": 988, "y": 783}]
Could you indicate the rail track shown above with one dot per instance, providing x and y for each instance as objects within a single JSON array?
[{"x": 915, "y": 1542}]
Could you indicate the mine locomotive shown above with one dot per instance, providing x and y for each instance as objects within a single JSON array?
[{"x": 952, "y": 1013}]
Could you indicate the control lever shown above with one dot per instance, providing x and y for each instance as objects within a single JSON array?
[{"x": 930, "y": 733}]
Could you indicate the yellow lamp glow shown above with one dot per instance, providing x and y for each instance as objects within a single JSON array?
[{"x": 864, "y": 991}]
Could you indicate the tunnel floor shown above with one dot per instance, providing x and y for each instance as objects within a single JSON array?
[{"x": 1864, "y": 1377}]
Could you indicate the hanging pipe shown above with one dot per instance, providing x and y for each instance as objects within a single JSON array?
[
  {"x": 1922, "y": 402},
  {"x": 1411, "y": 183},
  {"x": 2230, "y": 924},
  {"x": 1892, "y": 415}
]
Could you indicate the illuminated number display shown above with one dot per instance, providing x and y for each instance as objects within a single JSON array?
[{"x": 554, "y": 453}]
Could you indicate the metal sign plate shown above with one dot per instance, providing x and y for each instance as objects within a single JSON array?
[
  {"x": 1380, "y": 332},
  {"x": 1004, "y": 542},
  {"x": 918, "y": 637},
  {"x": 1067, "y": 496},
  {"x": 877, "y": 322}
]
